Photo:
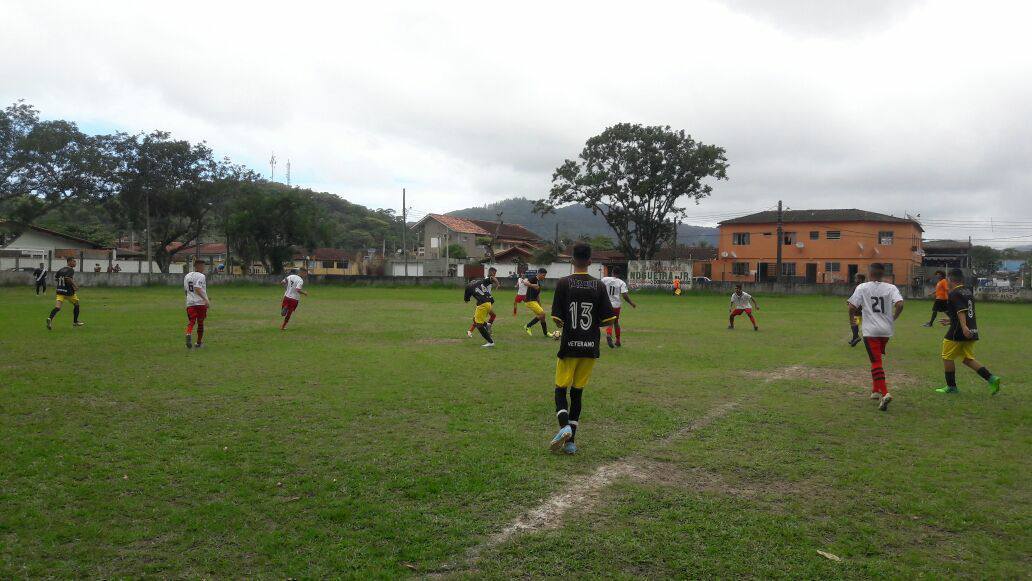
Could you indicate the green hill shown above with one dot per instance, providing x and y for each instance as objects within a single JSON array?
[{"x": 573, "y": 221}]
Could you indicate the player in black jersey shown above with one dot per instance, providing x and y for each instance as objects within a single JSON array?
[
  {"x": 67, "y": 290},
  {"x": 481, "y": 291},
  {"x": 40, "y": 274},
  {"x": 580, "y": 307},
  {"x": 959, "y": 342},
  {"x": 533, "y": 301}
]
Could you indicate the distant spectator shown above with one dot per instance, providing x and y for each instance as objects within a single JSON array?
[
  {"x": 118, "y": 268},
  {"x": 110, "y": 268},
  {"x": 41, "y": 278},
  {"x": 96, "y": 267}
]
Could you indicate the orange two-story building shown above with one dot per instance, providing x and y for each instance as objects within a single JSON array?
[{"x": 818, "y": 246}]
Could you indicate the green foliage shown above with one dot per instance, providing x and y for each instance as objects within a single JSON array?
[
  {"x": 266, "y": 221},
  {"x": 633, "y": 176},
  {"x": 601, "y": 243},
  {"x": 457, "y": 251},
  {"x": 985, "y": 260},
  {"x": 544, "y": 255}
]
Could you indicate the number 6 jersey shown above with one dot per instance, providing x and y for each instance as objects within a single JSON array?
[
  {"x": 877, "y": 300},
  {"x": 581, "y": 304}
]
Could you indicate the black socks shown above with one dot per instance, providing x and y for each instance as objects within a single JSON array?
[
  {"x": 562, "y": 412},
  {"x": 53, "y": 313},
  {"x": 984, "y": 373},
  {"x": 485, "y": 333},
  {"x": 951, "y": 379},
  {"x": 532, "y": 323},
  {"x": 575, "y": 409},
  {"x": 75, "y": 314}
]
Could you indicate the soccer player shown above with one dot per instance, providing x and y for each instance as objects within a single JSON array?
[
  {"x": 942, "y": 296},
  {"x": 41, "y": 278},
  {"x": 617, "y": 291},
  {"x": 195, "y": 285},
  {"x": 580, "y": 307},
  {"x": 881, "y": 304},
  {"x": 677, "y": 286},
  {"x": 521, "y": 293},
  {"x": 960, "y": 339},
  {"x": 854, "y": 324},
  {"x": 66, "y": 290},
  {"x": 533, "y": 294},
  {"x": 742, "y": 302},
  {"x": 292, "y": 294},
  {"x": 483, "y": 316}
]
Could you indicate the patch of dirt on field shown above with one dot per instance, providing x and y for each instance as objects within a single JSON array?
[
  {"x": 822, "y": 376},
  {"x": 438, "y": 341}
]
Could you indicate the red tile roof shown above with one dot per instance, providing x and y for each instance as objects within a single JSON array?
[
  {"x": 455, "y": 224},
  {"x": 506, "y": 231},
  {"x": 514, "y": 232}
]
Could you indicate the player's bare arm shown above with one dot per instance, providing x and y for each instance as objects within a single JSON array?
[
  {"x": 962, "y": 317},
  {"x": 897, "y": 310},
  {"x": 755, "y": 305},
  {"x": 627, "y": 298},
  {"x": 204, "y": 295},
  {"x": 854, "y": 312}
]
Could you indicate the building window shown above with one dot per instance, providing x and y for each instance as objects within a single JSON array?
[
  {"x": 815, "y": 235},
  {"x": 740, "y": 268},
  {"x": 344, "y": 264},
  {"x": 888, "y": 268},
  {"x": 885, "y": 238},
  {"x": 740, "y": 239},
  {"x": 790, "y": 238},
  {"x": 788, "y": 269},
  {"x": 766, "y": 233},
  {"x": 833, "y": 234},
  {"x": 832, "y": 267},
  {"x": 327, "y": 264}
]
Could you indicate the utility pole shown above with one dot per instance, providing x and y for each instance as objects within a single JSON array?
[
  {"x": 557, "y": 238},
  {"x": 150, "y": 263},
  {"x": 675, "y": 239},
  {"x": 272, "y": 167},
  {"x": 404, "y": 229},
  {"x": 780, "y": 240}
]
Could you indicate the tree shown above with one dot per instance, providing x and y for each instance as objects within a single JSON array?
[
  {"x": 44, "y": 164},
  {"x": 985, "y": 260},
  {"x": 633, "y": 176},
  {"x": 601, "y": 243},
  {"x": 544, "y": 255},
  {"x": 457, "y": 251},
  {"x": 268, "y": 220}
]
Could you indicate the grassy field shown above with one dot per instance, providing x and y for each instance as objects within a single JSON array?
[{"x": 374, "y": 439}]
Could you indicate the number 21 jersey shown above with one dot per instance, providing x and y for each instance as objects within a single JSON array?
[
  {"x": 877, "y": 300},
  {"x": 582, "y": 305}
]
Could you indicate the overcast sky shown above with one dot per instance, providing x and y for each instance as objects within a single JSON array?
[{"x": 904, "y": 106}]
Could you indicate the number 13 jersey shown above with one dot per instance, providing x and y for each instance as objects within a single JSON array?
[
  {"x": 877, "y": 300},
  {"x": 582, "y": 305}
]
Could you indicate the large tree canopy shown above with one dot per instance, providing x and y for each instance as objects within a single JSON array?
[
  {"x": 634, "y": 176},
  {"x": 268, "y": 220}
]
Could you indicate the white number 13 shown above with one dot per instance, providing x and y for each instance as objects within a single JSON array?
[{"x": 584, "y": 318}]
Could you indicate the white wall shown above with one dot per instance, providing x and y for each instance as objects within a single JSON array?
[
  {"x": 34, "y": 240},
  {"x": 555, "y": 270},
  {"x": 414, "y": 269}
]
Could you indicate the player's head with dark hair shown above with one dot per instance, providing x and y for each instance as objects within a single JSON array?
[
  {"x": 581, "y": 255},
  {"x": 738, "y": 288},
  {"x": 492, "y": 271},
  {"x": 294, "y": 271},
  {"x": 198, "y": 265},
  {"x": 877, "y": 270},
  {"x": 41, "y": 265},
  {"x": 70, "y": 261},
  {"x": 861, "y": 278},
  {"x": 957, "y": 275},
  {"x": 940, "y": 273}
]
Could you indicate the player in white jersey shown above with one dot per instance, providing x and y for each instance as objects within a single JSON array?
[
  {"x": 292, "y": 284},
  {"x": 521, "y": 291},
  {"x": 195, "y": 285},
  {"x": 616, "y": 289},
  {"x": 881, "y": 304},
  {"x": 742, "y": 302}
]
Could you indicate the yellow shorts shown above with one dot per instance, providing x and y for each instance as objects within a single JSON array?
[
  {"x": 535, "y": 307},
  {"x": 482, "y": 313},
  {"x": 952, "y": 350},
  {"x": 574, "y": 371},
  {"x": 74, "y": 299}
]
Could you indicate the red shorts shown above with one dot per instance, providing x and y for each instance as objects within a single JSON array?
[
  {"x": 521, "y": 298},
  {"x": 199, "y": 312},
  {"x": 737, "y": 312},
  {"x": 876, "y": 346},
  {"x": 289, "y": 304}
]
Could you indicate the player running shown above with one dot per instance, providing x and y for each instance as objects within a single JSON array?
[
  {"x": 41, "y": 278},
  {"x": 483, "y": 316},
  {"x": 742, "y": 302},
  {"x": 616, "y": 288},
  {"x": 854, "y": 323},
  {"x": 942, "y": 296},
  {"x": 532, "y": 301},
  {"x": 66, "y": 290},
  {"x": 521, "y": 293},
  {"x": 580, "y": 307},
  {"x": 195, "y": 285},
  {"x": 962, "y": 335},
  {"x": 881, "y": 304},
  {"x": 292, "y": 294}
]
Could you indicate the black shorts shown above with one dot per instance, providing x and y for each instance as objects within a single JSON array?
[{"x": 940, "y": 306}]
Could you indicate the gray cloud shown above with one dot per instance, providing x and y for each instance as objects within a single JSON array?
[{"x": 887, "y": 106}]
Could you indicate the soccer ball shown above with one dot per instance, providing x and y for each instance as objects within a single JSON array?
[{"x": 557, "y": 335}]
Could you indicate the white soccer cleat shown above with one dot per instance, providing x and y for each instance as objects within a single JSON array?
[
  {"x": 875, "y": 395},
  {"x": 884, "y": 405},
  {"x": 488, "y": 345}
]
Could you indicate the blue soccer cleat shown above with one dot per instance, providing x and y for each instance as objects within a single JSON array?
[
  {"x": 570, "y": 448},
  {"x": 560, "y": 439}
]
